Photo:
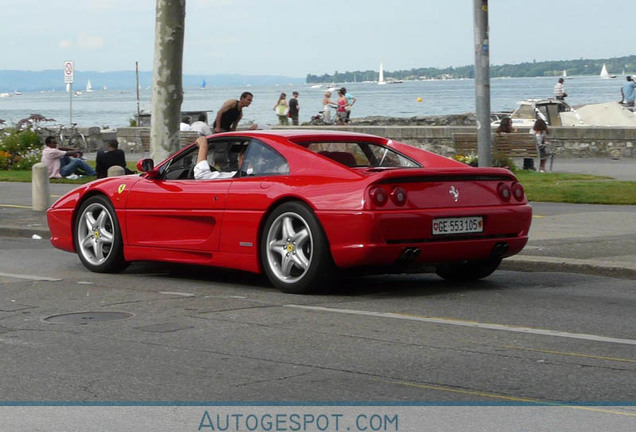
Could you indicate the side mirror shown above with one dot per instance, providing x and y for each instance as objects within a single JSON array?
[
  {"x": 145, "y": 165},
  {"x": 148, "y": 166}
]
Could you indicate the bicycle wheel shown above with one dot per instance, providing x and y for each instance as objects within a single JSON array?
[{"x": 78, "y": 141}]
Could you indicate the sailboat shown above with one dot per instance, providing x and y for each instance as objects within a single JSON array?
[
  {"x": 381, "y": 78},
  {"x": 89, "y": 87},
  {"x": 605, "y": 74},
  {"x": 202, "y": 83}
]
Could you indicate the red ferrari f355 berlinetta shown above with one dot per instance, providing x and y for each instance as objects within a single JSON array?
[{"x": 303, "y": 206}]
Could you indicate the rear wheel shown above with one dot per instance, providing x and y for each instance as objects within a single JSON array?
[
  {"x": 294, "y": 250},
  {"x": 97, "y": 236},
  {"x": 465, "y": 271}
]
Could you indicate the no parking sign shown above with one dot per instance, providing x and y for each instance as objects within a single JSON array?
[{"x": 68, "y": 72}]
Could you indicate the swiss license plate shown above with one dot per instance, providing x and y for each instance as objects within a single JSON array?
[{"x": 462, "y": 225}]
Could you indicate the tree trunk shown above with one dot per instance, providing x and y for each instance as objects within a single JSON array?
[{"x": 167, "y": 87}]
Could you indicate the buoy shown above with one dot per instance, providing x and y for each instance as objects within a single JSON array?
[{"x": 419, "y": 99}]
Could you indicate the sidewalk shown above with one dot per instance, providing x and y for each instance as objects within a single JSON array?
[{"x": 576, "y": 238}]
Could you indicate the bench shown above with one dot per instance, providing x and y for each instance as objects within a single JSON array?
[{"x": 513, "y": 145}]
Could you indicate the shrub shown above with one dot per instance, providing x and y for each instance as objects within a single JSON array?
[
  {"x": 23, "y": 147},
  {"x": 502, "y": 161},
  {"x": 5, "y": 160},
  {"x": 498, "y": 160}
]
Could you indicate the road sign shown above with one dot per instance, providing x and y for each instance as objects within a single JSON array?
[{"x": 68, "y": 72}]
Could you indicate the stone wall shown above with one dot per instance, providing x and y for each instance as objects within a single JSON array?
[
  {"x": 613, "y": 142},
  {"x": 575, "y": 142}
]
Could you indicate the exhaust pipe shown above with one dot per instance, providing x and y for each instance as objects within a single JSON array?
[
  {"x": 500, "y": 249},
  {"x": 409, "y": 254}
]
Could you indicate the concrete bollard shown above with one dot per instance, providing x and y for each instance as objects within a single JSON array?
[
  {"x": 40, "y": 191},
  {"x": 115, "y": 171}
]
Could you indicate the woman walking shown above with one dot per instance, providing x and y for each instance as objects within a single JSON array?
[{"x": 540, "y": 130}]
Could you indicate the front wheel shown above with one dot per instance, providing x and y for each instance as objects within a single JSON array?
[
  {"x": 465, "y": 271},
  {"x": 294, "y": 250},
  {"x": 78, "y": 140},
  {"x": 97, "y": 238}
]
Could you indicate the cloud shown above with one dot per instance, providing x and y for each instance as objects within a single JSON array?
[
  {"x": 84, "y": 42},
  {"x": 90, "y": 42},
  {"x": 214, "y": 2}
]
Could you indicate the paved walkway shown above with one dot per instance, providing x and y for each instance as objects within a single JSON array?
[{"x": 592, "y": 239}]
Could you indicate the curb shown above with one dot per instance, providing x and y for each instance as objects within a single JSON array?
[
  {"x": 528, "y": 263},
  {"x": 9, "y": 231}
]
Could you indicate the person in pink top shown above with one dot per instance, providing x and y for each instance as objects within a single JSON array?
[
  {"x": 341, "y": 111},
  {"x": 60, "y": 163}
]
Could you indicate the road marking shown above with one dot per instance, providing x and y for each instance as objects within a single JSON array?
[
  {"x": 29, "y": 277},
  {"x": 15, "y": 206},
  {"x": 509, "y": 398},
  {"x": 474, "y": 324},
  {"x": 177, "y": 293},
  {"x": 569, "y": 354}
]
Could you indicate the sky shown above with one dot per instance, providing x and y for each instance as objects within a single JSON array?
[{"x": 299, "y": 37}]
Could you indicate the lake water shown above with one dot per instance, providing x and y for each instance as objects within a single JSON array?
[{"x": 115, "y": 109}]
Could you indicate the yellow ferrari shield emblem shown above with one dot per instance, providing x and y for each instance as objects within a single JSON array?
[{"x": 121, "y": 188}]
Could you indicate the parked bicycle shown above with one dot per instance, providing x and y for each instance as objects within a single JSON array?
[
  {"x": 69, "y": 137},
  {"x": 320, "y": 120}
]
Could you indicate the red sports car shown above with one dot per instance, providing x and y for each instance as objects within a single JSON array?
[{"x": 303, "y": 205}]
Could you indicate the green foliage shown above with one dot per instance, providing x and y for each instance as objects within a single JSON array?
[
  {"x": 23, "y": 148},
  {"x": 503, "y": 161},
  {"x": 498, "y": 160}
]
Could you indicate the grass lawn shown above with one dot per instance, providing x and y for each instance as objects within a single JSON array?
[
  {"x": 576, "y": 188},
  {"x": 541, "y": 187}
]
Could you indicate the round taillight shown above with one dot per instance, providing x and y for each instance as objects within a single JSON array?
[
  {"x": 378, "y": 196},
  {"x": 517, "y": 191},
  {"x": 504, "y": 192},
  {"x": 398, "y": 196}
]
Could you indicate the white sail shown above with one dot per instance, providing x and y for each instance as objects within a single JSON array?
[
  {"x": 89, "y": 87},
  {"x": 381, "y": 79},
  {"x": 605, "y": 74},
  {"x": 565, "y": 74}
]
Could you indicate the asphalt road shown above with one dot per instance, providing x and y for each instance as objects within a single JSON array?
[{"x": 197, "y": 334}]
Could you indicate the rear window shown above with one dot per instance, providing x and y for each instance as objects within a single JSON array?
[{"x": 362, "y": 155}]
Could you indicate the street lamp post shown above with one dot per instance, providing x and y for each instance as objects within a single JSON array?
[{"x": 482, "y": 83}]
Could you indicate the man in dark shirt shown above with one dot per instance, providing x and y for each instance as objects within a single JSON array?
[
  {"x": 294, "y": 108},
  {"x": 106, "y": 159},
  {"x": 227, "y": 119}
]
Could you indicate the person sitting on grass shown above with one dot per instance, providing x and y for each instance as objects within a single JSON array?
[
  {"x": 113, "y": 156},
  {"x": 60, "y": 163}
]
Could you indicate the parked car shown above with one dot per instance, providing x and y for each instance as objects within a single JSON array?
[{"x": 304, "y": 206}]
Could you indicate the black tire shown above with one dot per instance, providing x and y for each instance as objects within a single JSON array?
[
  {"x": 97, "y": 236},
  {"x": 294, "y": 250},
  {"x": 466, "y": 271}
]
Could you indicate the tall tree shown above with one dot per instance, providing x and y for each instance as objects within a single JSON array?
[{"x": 167, "y": 87}]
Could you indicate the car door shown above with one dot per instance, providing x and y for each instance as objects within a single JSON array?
[{"x": 176, "y": 214}]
